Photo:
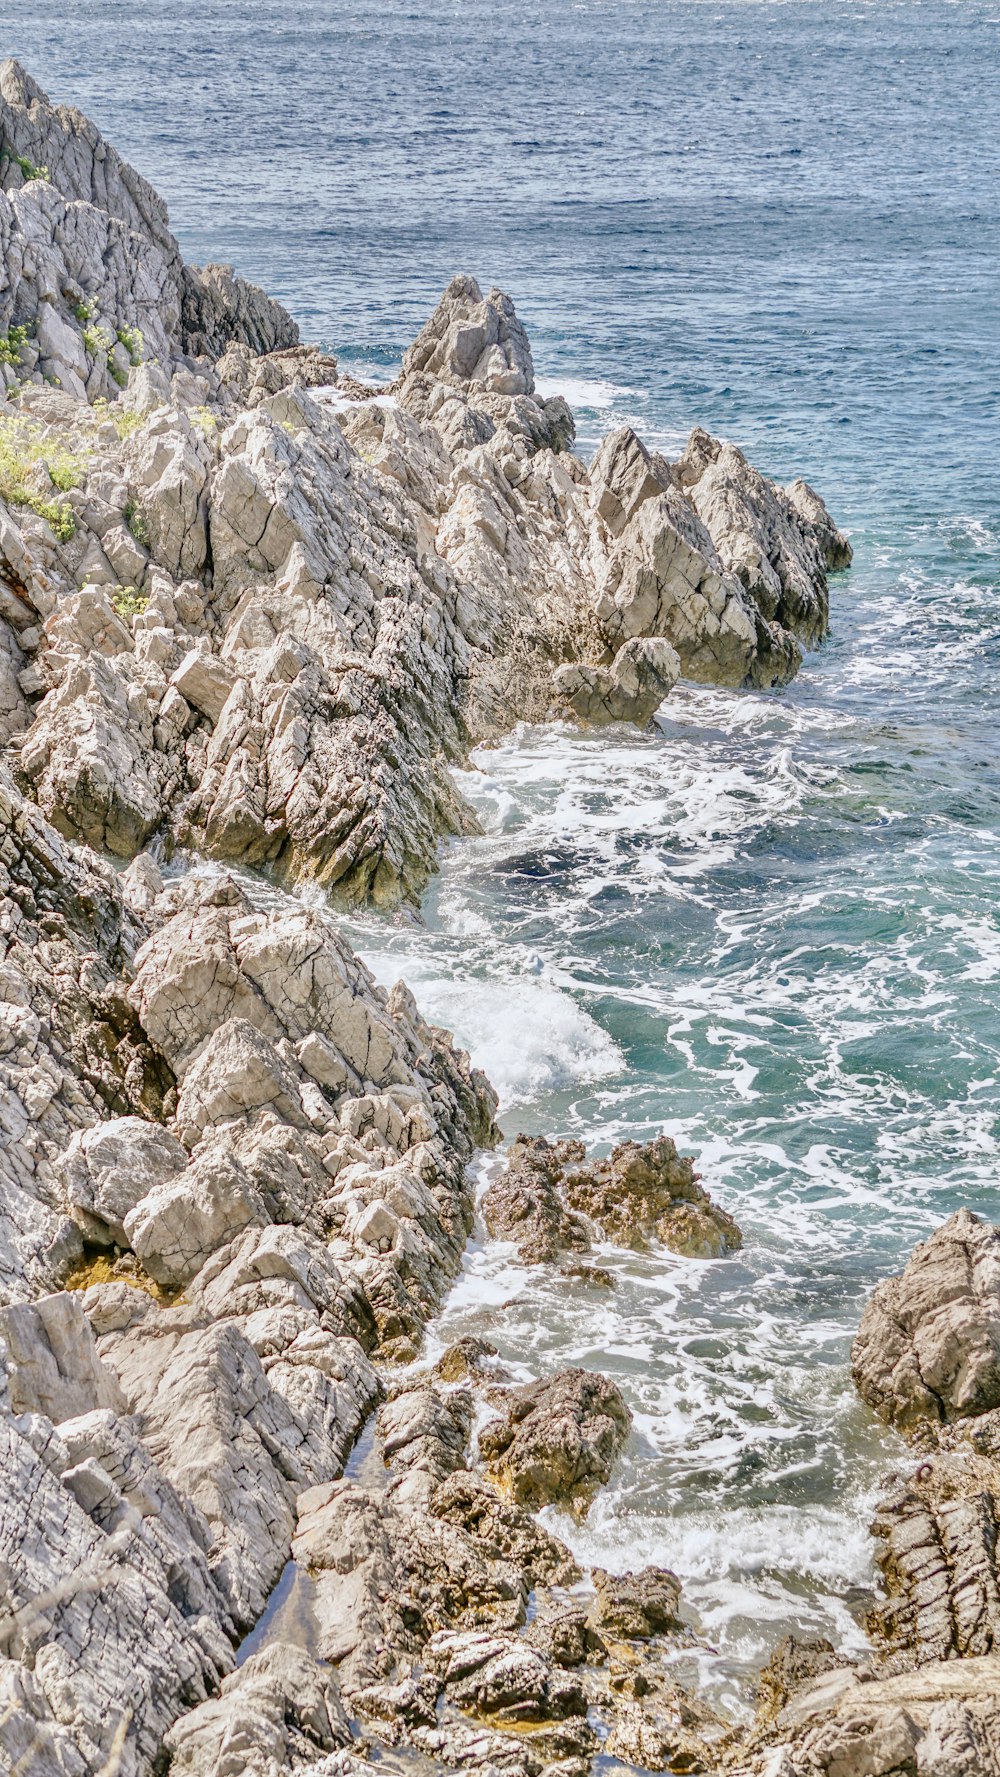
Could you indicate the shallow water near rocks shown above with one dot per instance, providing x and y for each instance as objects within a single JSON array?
[{"x": 770, "y": 926}]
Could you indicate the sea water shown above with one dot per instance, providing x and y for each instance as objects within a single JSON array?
[{"x": 769, "y": 926}]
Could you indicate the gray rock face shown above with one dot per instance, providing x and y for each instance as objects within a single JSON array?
[
  {"x": 219, "y": 309},
  {"x": 89, "y": 263},
  {"x": 108, "y": 1168},
  {"x": 710, "y": 554},
  {"x": 71, "y": 1052},
  {"x": 928, "y": 1347},
  {"x": 100, "y": 1554},
  {"x": 777, "y": 546},
  {"x": 469, "y": 339},
  {"x": 389, "y": 584},
  {"x": 210, "y": 1418}
]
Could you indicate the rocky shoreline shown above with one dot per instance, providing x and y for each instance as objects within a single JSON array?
[{"x": 251, "y": 614}]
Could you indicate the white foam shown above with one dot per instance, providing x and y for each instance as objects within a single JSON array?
[
  {"x": 590, "y": 394},
  {"x": 528, "y": 1036},
  {"x": 338, "y": 402}
]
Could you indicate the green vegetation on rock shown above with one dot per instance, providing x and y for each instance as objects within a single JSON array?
[
  {"x": 12, "y": 345},
  {"x": 128, "y": 601},
  {"x": 131, "y": 338},
  {"x": 98, "y": 340},
  {"x": 137, "y": 523},
  {"x": 31, "y": 467},
  {"x": 27, "y": 167}
]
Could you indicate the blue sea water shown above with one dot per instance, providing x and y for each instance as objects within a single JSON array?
[{"x": 770, "y": 927}]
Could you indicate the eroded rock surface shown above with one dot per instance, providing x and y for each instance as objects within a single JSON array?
[
  {"x": 928, "y": 1347},
  {"x": 550, "y": 1197},
  {"x": 557, "y": 1440},
  {"x": 924, "y": 1703},
  {"x": 267, "y": 623}
]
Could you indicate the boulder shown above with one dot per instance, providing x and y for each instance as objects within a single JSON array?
[
  {"x": 634, "y": 1606},
  {"x": 524, "y": 1202},
  {"x": 645, "y": 1191},
  {"x": 643, "y": 672},
  {"x": 278, "y": 1708},
  {"x": 550, "y": 1195},
  {"x": 556, "y": 1441},
  {"x": 175, "y": 1227},
  {"x": 52, "y": 1362},
  {"x": 204, "y": 681},
  {"x": 108, "y": 1168},
  {"x": 928, "y": 1347}
]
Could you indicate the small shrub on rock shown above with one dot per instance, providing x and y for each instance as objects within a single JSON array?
[{"x": 30, "y": 466}]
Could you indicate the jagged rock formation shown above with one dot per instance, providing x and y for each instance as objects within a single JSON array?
[
  {"x": 232, "y": 1097},
  {"x": 928, "y": 1347},
  {"x": 90, "y": 274},
  {"x": 419, "y": 1595},
  {"x": 267, "y": 625},
  {"x": 550, "y": 1196},
  {"x": 252, "y": 609},
  {"x": 926, "y": 1702},
  {"x": 557, "y": 1440}
]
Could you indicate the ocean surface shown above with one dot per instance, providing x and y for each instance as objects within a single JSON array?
[{"x": 770, "y": 927}]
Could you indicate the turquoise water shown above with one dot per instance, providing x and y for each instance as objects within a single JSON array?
[{"x": 771, "y": 926}]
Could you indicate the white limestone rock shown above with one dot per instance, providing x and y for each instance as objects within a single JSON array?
[
  {"x": 108, "y": 1168},
  {"x": 277, "y": 1710},
  {"x": 204, "y": 681},
  {"x": 51, "y": 1361},
  {"x": 472, "y": 339}
]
